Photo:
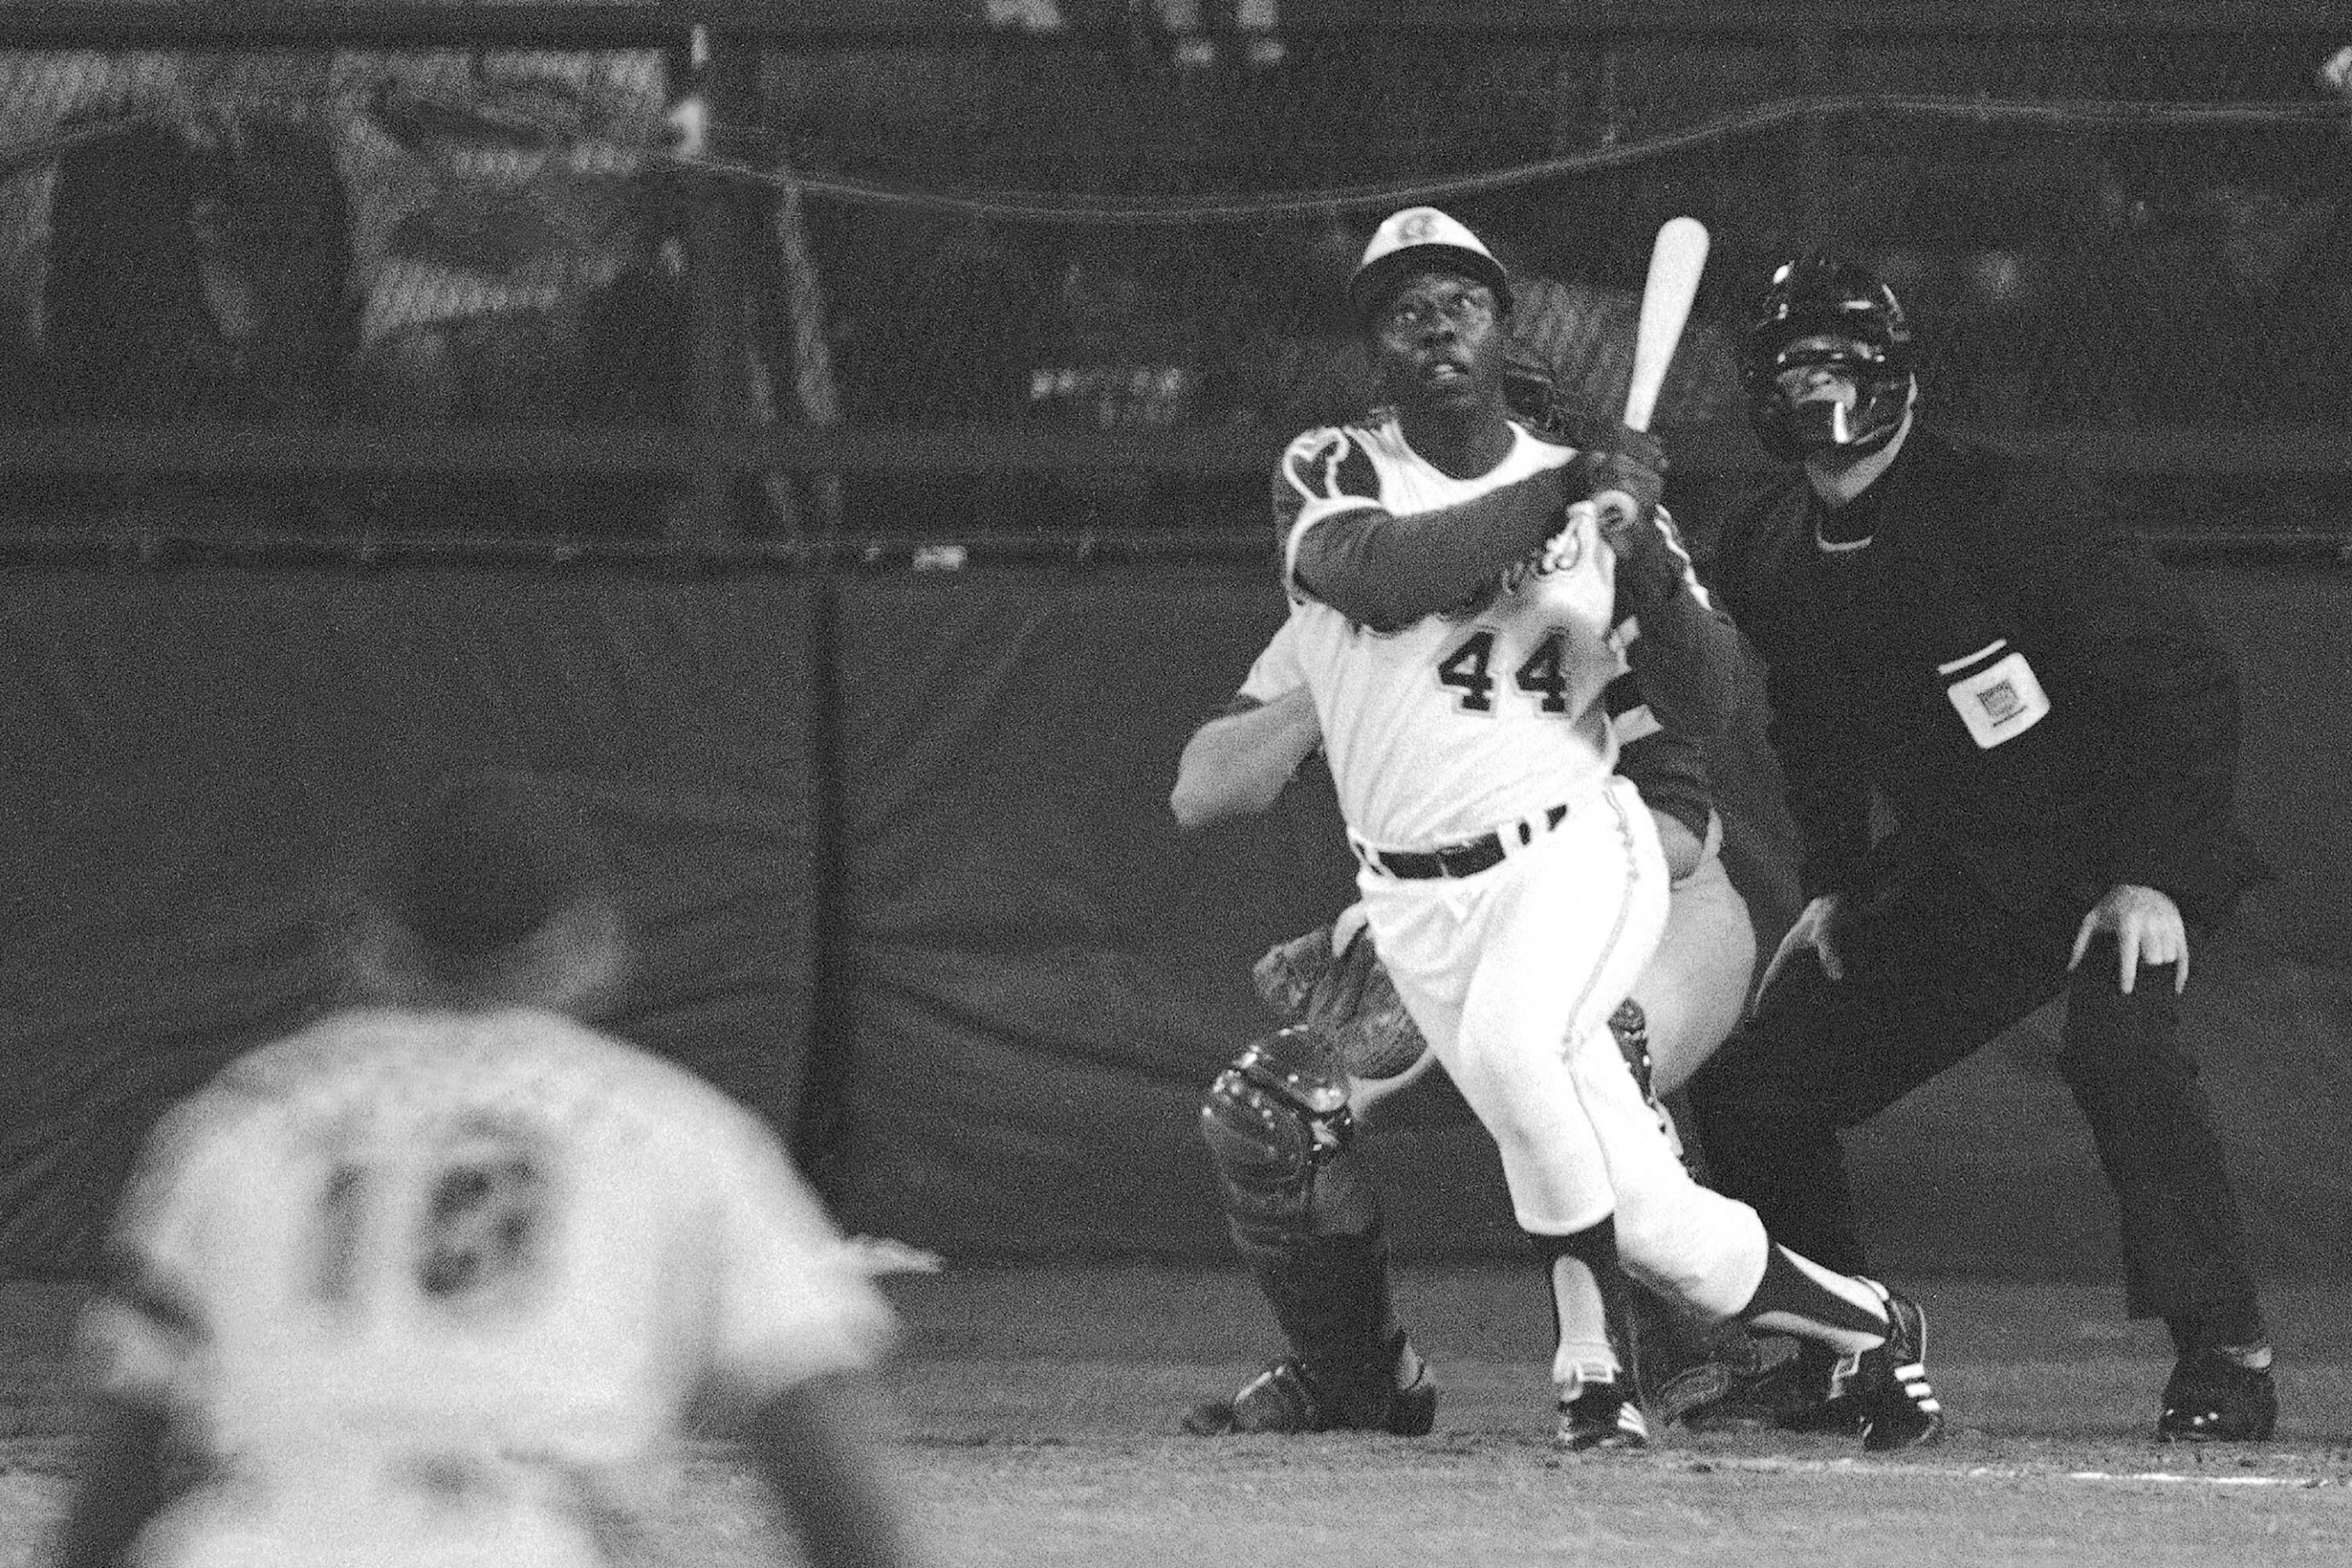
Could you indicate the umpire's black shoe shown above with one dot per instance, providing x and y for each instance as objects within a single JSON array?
[
  {"x": 1601, "y": 1416},
  {"x": 2211, "y": 1398},
  {"x": 1291, "y": 1396},
  {"x": 1899, "y": 1409}
]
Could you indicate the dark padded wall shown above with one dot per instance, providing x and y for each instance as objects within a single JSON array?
[
  {"x": 187, "y": 757},
  {"x": 1040, "y": 972},
  {"x": 1051, "y": 969},
  {"x": 1054, "y": 971}
]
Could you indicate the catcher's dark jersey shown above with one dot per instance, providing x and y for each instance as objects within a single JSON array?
[{"x": 2028, "y": 691}]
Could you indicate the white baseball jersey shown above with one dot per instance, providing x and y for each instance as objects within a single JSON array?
[
  {"x": 1277, "y": 671},
  {"x": 1486, "y": 714},
  {"x": 417, "y": 1284}
]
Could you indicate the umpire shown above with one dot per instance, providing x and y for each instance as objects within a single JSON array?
[{"x": 2053, "y": 733}]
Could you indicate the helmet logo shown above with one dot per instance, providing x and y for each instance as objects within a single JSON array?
[{"x": 1424, "y": 233}]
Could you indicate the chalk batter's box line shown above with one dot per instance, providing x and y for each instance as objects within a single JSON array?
[{"x": 2007, "y": 1473}]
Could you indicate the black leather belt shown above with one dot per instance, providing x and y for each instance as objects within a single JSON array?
[{"x": 1466, "y": 859}]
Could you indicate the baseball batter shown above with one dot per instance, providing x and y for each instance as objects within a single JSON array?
[
  {"x": 1311, "y": 1224},
  {"x": 1456, "y": 610},
  {"x": 1694, "y": 986},
  {"x": 433, "y": 1281}
]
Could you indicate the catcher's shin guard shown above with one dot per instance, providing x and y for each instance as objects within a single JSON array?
[
  {"x": 1630, "y": 1025},
  {"x": 1310, "y": 1228},
  {"x": 1631, "y": 1028},
  {"x": 1278, "y": 1128}
]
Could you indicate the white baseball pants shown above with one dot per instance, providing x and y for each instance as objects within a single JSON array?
[{"x": 1497, "y": 969}]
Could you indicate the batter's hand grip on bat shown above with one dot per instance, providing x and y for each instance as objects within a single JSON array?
[
  {"x": 1625, "y": 487},
  {"x": 1615, "y": 512}
]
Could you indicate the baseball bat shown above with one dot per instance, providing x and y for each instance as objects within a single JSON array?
[{"x": 1676, "y": 258}]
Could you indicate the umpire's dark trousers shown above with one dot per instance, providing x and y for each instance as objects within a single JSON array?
[{"x": 1933, "y": 970}]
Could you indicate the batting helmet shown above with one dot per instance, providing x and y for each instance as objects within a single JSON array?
[
  {"x": 1419, "y": 237},
  {"x": 1822, "y": 311}
]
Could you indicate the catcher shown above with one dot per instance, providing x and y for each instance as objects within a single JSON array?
[{"x": 1282, "y": 1122}]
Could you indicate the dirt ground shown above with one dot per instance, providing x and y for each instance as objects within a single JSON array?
[{"x": 1037, "y": 1412}]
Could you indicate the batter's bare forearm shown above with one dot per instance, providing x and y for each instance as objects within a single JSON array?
[
  {"x": 1236, "y": 765},
  {"x": 1388, "y": 572}
]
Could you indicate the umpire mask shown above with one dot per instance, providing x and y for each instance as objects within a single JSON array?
[{"x": 1826, "y": 361}]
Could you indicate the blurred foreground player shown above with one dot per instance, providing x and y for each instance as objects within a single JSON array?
[
  {"x": 433, "y": 1281},
  {"x": 1973, "y": 638}
]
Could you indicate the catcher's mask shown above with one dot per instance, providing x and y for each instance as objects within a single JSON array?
[{"x": 1824, "y": 315}]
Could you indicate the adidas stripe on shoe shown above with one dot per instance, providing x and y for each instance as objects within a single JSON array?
[{"x": 1898, "y": 1405}]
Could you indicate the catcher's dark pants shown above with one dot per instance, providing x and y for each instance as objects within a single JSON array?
[{"x": 1933, "y": 970}]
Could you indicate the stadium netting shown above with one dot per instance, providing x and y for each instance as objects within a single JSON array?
[{"x": 1000, "y": 249}]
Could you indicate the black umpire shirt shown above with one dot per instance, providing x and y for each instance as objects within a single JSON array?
[{"x": 2031, "y": 692}]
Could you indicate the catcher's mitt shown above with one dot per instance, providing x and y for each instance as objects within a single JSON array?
[
  {"x": 1348, "y": 997},
  {"x": 1345, "y": 996}
]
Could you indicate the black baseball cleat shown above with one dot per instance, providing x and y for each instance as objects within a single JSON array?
[
  {"x": 1288, "y": 1396},
  {"x": 2211, "y": 1398},
  {"x": 1601, "y": 1416},
  {"x": 1899, "y": 1407}
]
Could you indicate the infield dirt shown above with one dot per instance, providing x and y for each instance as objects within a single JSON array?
[{"x": 1037, "y": 1411}]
